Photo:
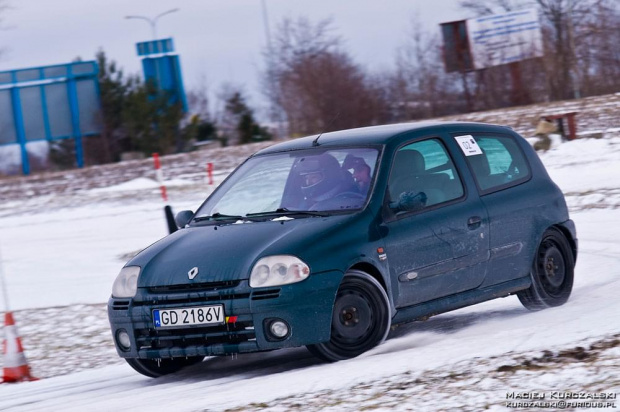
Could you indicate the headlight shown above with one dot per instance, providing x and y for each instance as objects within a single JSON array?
[
  {"x": 126, "y": 283},
  {"x": 278, "y": 270}
]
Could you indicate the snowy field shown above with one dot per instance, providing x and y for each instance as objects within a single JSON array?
[{"x": 61, "y": 257}]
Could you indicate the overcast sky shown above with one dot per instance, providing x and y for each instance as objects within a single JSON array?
[{"x": 218, "y": 40}]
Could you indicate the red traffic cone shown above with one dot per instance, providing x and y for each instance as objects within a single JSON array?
[{"x": 15, "y": 365}]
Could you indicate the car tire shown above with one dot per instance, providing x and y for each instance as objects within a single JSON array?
[
  {"x": 361, "y": 318},
  {"x": 154, "y": 368},
  {"x": 552, "y": 273}
]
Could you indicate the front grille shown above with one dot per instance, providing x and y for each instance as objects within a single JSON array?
[
  {"x": 120, "y": 304},
  {"x": 189, "y": 299},
  {"x": 190, "y": 294},
  {"x": 265, "y": 294},
  {"x": 199, "y": 339},
  {"x": 241, "y": 331},
  {"x": 195, "y": 287}
]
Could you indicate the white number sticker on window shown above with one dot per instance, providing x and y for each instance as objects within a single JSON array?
[{"x": 468, "y": 145}]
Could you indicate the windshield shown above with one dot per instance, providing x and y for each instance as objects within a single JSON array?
[{"x": 311, "y": 180}]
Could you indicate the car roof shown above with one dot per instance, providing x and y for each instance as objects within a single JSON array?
[{"x": 368, "y": 135}]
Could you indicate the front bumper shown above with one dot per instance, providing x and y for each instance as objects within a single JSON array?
[{"x": 305, "y": 306}]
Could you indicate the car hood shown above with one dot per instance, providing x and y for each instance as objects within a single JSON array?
[{"x": 228, "y": 251}]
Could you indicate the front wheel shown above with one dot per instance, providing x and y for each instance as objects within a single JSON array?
[
  {"x": 360, "y": 320},
  {"x": 154, "y": 368},
  {"x": 552, "y": 273}
]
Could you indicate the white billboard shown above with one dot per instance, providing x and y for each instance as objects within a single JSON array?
[{"x": 505, "y": 38}]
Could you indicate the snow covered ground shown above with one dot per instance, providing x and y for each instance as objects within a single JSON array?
[{"x": 61, "y": 255}]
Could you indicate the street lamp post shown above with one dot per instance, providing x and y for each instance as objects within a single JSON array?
[
  {"x": 275, "y": 112},
  {"x": 153, "y": 21}
]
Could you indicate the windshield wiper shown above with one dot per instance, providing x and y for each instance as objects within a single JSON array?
[
  {"x": 282, "y": 211},
  {"x": 217, "y": 216}
]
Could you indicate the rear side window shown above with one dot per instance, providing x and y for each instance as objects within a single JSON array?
[{"x": 500, "y": 163}]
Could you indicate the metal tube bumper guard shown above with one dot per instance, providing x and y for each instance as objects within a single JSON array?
[{"x": 306, "y": 307}]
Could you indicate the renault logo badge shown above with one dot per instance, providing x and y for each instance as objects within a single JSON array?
[{"x": 192, "y": 273}]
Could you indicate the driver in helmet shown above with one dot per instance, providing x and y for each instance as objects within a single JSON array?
[{"x": 322, "y": 178}]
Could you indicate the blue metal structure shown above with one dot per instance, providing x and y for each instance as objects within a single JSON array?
[
  {"x": 146, "y": 48},
  {"x": 164, "y": 70},
  {"x": 42, "y": 104}
]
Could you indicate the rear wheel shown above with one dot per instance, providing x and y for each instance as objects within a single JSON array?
[
  {"x": 552, "y": 273},
  {"x": 154, "y": 368},
  {"x": 360, "y": 319}
]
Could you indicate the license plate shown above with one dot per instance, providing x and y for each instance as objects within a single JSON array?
[{"x": 203, "y": 315}]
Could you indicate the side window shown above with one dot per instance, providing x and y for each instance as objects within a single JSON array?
[
  {"x": 423, "y": 175},
  {"x": 501, "y": 163}
]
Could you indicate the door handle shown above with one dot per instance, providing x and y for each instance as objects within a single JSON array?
[{"x": 474, "y": 222}]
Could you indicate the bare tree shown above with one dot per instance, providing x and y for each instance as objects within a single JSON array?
[
  {"x": 421, "y": 87},
  {"x": 580, "y": 57},
  {"x": 315, "y": 82},
  {"x": 198, "y": 101},
  {"x": 561, "y": 15},
  {"x": 593, "y": 40}
]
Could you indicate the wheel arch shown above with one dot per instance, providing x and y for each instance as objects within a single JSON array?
[
  {"x": 372, "y": 271},
  {"x": 569, "y": 237}
]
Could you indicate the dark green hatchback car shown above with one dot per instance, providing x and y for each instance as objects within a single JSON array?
[{"x": 327, "y": 241}]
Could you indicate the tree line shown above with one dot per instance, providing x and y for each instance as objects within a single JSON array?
[
  {"x": 313, "y": 84},
  {"x": 138, "y": 118}
]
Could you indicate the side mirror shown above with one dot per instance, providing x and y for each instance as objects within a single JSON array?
[
  {"x": 409, "y": 202},
  {"x": 183, "y": 218}
]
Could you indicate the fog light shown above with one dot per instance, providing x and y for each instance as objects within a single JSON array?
[
  {"x": 279, "y": 329},
  {"x": 122, "y": 337}
]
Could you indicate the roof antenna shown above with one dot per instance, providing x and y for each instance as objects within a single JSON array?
[{"x": 315, "y": 142}]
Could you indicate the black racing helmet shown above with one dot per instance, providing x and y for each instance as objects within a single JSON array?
[{"x": 320, "y": 175}]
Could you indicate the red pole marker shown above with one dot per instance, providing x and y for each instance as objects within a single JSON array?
[
  {"x": 160, "y": 177},
  {"x": 172, "y": 226},
  {"x": 210, "y": 172}
]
